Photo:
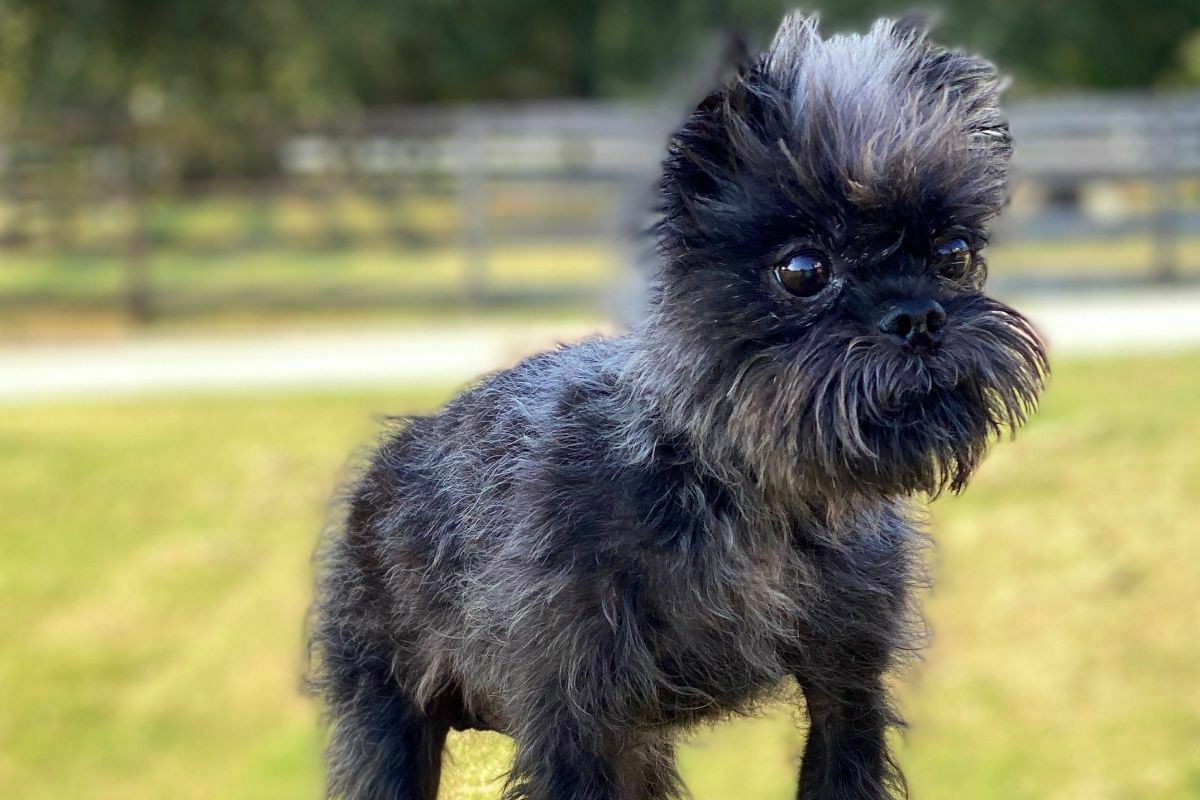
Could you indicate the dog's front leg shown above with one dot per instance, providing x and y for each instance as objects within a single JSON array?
[
  {"x": 557, "y": 763},
  {"x": 846, "y": 757}
]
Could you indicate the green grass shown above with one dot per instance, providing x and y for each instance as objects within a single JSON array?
[
  {"x": 74, "y": 296},
  {"x": 154, "y": 571},
  {"x": 186, "y": 273},
  {"x": 217, "y": 249}
]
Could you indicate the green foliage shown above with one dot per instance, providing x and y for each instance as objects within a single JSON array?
[
  {"x": 152, "y": 59},
  {"x": 1106, "y": 45},
  {"x": 201, "y": 87},
  {"x": 1056, "y": 44},
  {"x": 239, "y": 60}
]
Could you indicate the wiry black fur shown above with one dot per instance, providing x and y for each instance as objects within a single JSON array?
[{"x": 616, "y": 540}]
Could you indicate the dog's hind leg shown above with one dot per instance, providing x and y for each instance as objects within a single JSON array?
[{"x": 383, "y": 746}]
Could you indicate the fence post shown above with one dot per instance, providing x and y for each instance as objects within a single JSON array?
[
  {"x": 472, "y": 205},
  {"x": 138, "y": 300},
  {"x": 1165, "y": 189}
]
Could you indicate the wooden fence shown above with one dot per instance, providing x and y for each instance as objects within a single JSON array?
[{"x": 448, "y": 205}]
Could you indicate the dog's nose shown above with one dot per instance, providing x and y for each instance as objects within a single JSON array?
[{"x": 917, "y": 322}]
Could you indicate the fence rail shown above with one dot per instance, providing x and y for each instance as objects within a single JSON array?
[{"x": 451, "y": 205}]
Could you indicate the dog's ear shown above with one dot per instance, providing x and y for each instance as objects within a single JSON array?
[
  {"x": 734, "y": 128},
  {"x": 915, "y": 25},
  {"x": 737, "y": 126},
  {"x": 737, "y": 59},
  {"x": 725, "y": 141}
]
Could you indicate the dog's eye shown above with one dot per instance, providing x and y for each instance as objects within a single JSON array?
[
  {"x": 803, "y": 274},
  {"x": 953, "y": 257}
]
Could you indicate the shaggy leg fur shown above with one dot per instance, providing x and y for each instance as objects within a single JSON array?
[
  {"x": 846, "y": 756},
  {"x": 384, "y": 747},
  {"x": 656, "y": 777},
  {"x": 560, "y": 766}
]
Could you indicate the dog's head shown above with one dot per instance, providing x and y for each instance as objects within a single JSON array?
[{"x": 820, "y": 306}]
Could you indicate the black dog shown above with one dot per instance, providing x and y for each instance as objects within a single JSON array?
[{"x": 613, "y": 541}]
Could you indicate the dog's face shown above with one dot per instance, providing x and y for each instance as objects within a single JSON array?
[{"x": 821, "y": 293}]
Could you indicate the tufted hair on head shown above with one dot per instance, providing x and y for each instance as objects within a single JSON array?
[{"x": 846, "y": 124}]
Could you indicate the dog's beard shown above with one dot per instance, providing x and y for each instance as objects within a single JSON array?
[
  {"x": 879, "y": 416},
  {"x": 839, "y": 412}
]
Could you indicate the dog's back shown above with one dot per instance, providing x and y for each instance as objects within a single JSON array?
[{"x": 414, "y": 566}]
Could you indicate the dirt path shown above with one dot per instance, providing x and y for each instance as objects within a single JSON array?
[{"x": 1125, "y": 322}]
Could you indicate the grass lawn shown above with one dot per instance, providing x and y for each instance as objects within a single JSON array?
[
  {"x": 77, "y": 297},
  {"x": 154, "y": 571},
  {"x": 183, "y": 275}
]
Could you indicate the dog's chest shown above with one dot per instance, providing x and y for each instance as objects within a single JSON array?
[{"x": 761, "y": 613}]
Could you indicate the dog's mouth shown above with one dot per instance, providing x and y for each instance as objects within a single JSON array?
[
  {"x": 900, "y": 421},
  {"x": 903, "y": 389},
  {"x": 912, "y": 408},
  {"x": 850, "y": 412},
  {"x": 922, "y": 441}
]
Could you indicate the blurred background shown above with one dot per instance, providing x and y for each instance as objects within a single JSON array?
[{"x": 233, "y": 235}]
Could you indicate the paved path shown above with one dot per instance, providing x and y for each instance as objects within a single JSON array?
[{"x": 1126, "y": 322}]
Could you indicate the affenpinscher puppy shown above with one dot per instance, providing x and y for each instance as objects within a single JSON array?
[{"x": 613, "y": 541}]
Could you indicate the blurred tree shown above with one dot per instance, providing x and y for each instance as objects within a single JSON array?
[
  {"x": 239, "y": 58},
  {"x": 224, "y": 72},
  {"x": 509, "y": 49},
  {"x": 214, "y": 69},
  {"x": 1106, "y": 44},
  {"x": 93, "y": 52}
]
